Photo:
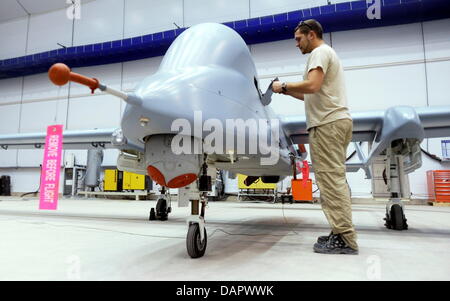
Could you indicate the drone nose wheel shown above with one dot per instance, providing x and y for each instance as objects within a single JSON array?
[{"x": 196, "y": 246}]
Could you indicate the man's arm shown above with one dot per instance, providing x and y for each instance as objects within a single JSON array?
[
  {"x": 298, "y": 89},
  {"x": 294, "y": 94}
]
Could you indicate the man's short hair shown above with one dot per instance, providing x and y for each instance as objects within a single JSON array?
[{"x": 310, "y": 25}]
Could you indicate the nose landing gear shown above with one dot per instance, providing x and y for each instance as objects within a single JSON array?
[
  {"x": 394, "y": 175},
  {"x": 196, "y": 239}
]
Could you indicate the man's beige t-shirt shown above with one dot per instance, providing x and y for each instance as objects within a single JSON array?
[{"x": 330, "y": 102}]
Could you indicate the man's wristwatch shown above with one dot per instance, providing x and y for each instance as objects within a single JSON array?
[{"x": 284, "y": 87}]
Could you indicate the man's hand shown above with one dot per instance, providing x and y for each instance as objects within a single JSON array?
[{"x": 276, "y": 87}]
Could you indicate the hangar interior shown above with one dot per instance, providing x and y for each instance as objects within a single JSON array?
[
  {"x": 403, "y": 64},
  {"x": 406, "y": 64}
]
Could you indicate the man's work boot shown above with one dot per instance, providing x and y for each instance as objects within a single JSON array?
[
  {"x": 334, "y": 245},
  {"x": 323, "y": 239}
]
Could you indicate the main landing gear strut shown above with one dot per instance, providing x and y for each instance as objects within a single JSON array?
[{"x": 163, "y": 207}]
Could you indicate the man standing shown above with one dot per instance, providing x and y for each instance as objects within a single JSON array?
[{"x": 330, "y": 131}]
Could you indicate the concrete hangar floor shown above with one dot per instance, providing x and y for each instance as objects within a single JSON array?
[{"x": 95, "y": 239}]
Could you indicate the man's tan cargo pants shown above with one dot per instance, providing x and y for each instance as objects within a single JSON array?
[{"x": 328, "y": 145}]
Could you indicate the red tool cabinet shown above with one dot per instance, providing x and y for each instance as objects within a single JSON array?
[{"x": 439, "y": 185}]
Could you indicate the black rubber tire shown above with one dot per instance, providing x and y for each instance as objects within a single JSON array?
[
  {"x": 397, "y": 221},
  {"x": 195, "y": 248},
  {"x": 161, "y": 209},
  {"x": 152, "y": 216},
  {"x": 388, "y": 222}
]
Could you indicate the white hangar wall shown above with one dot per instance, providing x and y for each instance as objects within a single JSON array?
[{"x": 397, "y": 65}]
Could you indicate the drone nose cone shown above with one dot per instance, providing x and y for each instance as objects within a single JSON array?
[{"x": 134, "y": 99}]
